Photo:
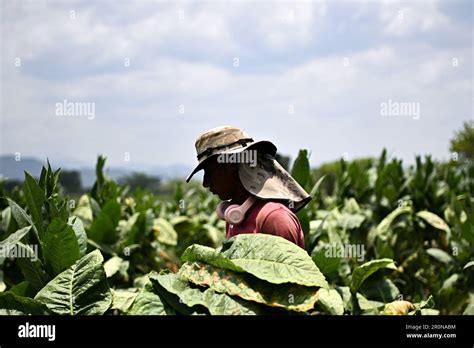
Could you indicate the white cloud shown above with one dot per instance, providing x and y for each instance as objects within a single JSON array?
[
  {"x": 336, "y": 96},
  {"x": 402, "y": 18},
  {"x": 284, "y": 25}
]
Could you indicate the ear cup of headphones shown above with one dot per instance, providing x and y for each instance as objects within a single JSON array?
[
  {"x": 234, "y": 214},
  {"x": 221, "y": 209}
]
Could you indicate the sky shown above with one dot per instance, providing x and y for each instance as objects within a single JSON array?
[{"x": 339, "y": 78}]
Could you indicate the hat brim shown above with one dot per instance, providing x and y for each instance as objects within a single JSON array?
[
  {"x": 263, "y": 145},
  {"x": 269, "y": 180}
]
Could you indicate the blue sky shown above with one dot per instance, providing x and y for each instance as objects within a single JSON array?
[{"x": 310, "y": 74}]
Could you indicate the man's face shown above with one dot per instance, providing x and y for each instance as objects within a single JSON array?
[{"x": 220, "y": 178}]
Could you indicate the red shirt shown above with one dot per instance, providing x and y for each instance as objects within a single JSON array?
[{"x": 271, "y": 218}]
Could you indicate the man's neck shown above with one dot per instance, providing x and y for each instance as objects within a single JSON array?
[{"x": 240, "y": 196}]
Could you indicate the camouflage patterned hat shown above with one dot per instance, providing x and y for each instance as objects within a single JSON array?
[{"x": 265, "y": 179}]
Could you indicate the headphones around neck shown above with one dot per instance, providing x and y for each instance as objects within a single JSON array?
[{"x": 234, "y": 214}]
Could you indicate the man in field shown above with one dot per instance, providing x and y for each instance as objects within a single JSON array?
[{"x": 259, "y": 195}]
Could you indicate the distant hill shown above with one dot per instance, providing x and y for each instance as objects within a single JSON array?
[{"x": 14, "y": 170}]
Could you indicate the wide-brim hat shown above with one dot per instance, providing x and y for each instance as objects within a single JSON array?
[
  {"x": 269, "y": 180},
  {"x": 265, "y": 179},
  {"x": 227, "y": 139}
]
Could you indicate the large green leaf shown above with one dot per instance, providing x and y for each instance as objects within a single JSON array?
[
  {"x": 216, "y": 304},
  {"x": 304, "y": 222},
  {"x": 148, "y": 302},
  {"x": 428, "y": 311},
  {"x": 35, "y": 199},
  {"x": 383, "y": 230},
  {"x": 60, "y": 246},
  {"x": 383, "y": 290},
  {"x": 23, "y": 289},
  {"x": 32, "y": 270},
  {"x": 267, "y": 257},
  {"x": 301, "y": 169},
  {"x": 127, "y": 229},
  {"x": 19, "y": 214},
  {"x": 3, "y": 286},
  {"x": 362, "y": 272},
  {"x": 328, "y": 263},
  {"x": 21, "y": 217},
  {"x": 449, "y": 284},
  {"x": 423, "y": 305},
  {"x": 173, "y": 299},
  {"x": 315, "y": 188},
  {"x": 5, "y": 219},
  {"x": 84, "y": 210},
  {"x": 30, "y": 266},
  {"x": 388, "y": 220},
  {"x": 165, "y": 232},
  {"x": 103, "y": 227},
  {"x": 105, "y": 248},
  {"x": 289, "y": 296},
  {"x": 469, "y": 310},
  {"x": 440, "y": 255},
  {"x": 116, "y": 265},
  {"x": 81, "y": 289},
  {"x": 469, "y": 264},
  {"x": 215, "y": 234},
  {"x": 14, "y": 238},
  {"x": 348, "y": 298},
  {"x": 330, "y": 301},
  {"x": 434, "y": 220},
  {"x": 122, "y": 299},
  {"x": 81, "y": 235},
  {"x": 368, "y": 306},
  {"x": 13, "y": 304},
  {"x": 350, "y": 221}
]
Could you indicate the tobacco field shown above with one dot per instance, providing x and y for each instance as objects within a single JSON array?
[{"x": 381, "y": 238}]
